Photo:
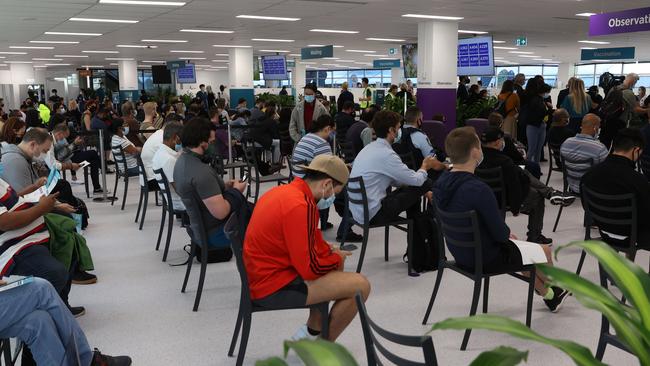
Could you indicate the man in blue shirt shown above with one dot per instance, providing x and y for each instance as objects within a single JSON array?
[{"x": 584, "y": 146}]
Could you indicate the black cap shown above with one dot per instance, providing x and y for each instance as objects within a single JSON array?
[{"x": 492, "y": 133}]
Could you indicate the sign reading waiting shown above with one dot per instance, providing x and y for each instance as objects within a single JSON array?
[
  {"x": 627, "y": 21},
  {"x": 619, "y": 53},
  {"x": 316, "y": 52}
]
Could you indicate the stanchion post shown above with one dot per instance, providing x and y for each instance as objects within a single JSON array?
[{"x": 102, "y": 158}]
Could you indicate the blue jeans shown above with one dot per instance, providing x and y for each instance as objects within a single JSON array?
[
  {"x": 35, "y": 314},
  {"x": 536, "y": 137}
]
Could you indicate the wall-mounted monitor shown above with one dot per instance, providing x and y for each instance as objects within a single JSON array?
[
  {"x": 186, "y": 75},
  {"x": 160, "y": 74},
  {"x": 475, "y": 56},
  {"x": 274, "y": 67}
]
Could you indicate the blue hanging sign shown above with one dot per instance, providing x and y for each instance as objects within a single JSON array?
[
  {"x": 386, "y": 64},
  {"x": 316, "y": 52},
  {"x": 619, "y": 53}
]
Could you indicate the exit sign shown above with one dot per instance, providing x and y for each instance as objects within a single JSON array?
[
  {"x": 392, "y": 51},
  {"x": 521, "y": 41}
]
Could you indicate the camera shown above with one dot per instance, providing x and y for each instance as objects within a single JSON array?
[{"x": 608, "y": 81}]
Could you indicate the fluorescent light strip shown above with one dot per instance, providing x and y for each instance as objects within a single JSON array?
[
  {"x": 346, "y": 61},
  {"x": 71, "y": 56},
  {"x": 244, "y": 16},
  {"x": 471, "y": 32},
  {"x": 12, "y": 53},
  {"x": 164, "y": 40},
  {"x": 139, "y": 2},
  {"x": 375, "y": 55},
  {"x": 521, "y": 52},
  {"x": 144, "y": 66},
  {"x": 307, "y": 63},
  {"x": 113, "y": 64},
  {"x": 19, "y": 62},
  {"x": 206, "y": 31},
  {"x": 331, "y": 65},
  {"x": 588, "y": 48},
  {"x": 47, "y": 59},
  {"x": 119, "y": 59},
  {"x": 594, "y": 42},
  {"x": 498, "y": 41},
  {"x": 39, "y": 66},
  {"x": 134, "y": 46},
  {"x": 585, "y": 14},
  {"x": 439, "y": 17},
  {"x": 331, "y": 58},
  {"x": 276, "y": 51},
  {"x": 229, "y": 46},
  {"x": 504, "y": 48},
  {"x": 220, "y": 61},
  {"x": 333, "y": 31},
  {"x": 31, "y": 47},
  {"x": 528, "y": 56},
  {"x": 98, "y": 20},
  {"x": 92, "y": 66},
  {"x": 57, "y": 64},
  {"x": 272, "y": 40},
  {"x": 386, "y": 39},
  {"x": 360, "y": 51},
  {"x": 295, "y": 55},
  {"x": 73, "y": 34},
  {"x": 182, "y": 51},
  {"x": 56, "y": 42},
  {"x": 192, "y": 58},
  {"x": 203, "y": 65},
  {"x": 4, "y": 65},
  {"x": 100, "y": 51},
  {"x": 222, "y": 54},
  {"x": 322, "y": 45},
  {"x": 154, "y": 62}
]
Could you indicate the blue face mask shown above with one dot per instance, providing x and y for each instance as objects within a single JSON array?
[
  {"x": 325, "y": 203},
  {"x": 309, "y": 98},
  {"x": 2, "y": 168},
  {"x": 178, "y": 147},
  {"x": 126, "y": 130},
  {"x": 61, "y": 142}
]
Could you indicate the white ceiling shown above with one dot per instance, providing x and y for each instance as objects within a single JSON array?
[{"x": 550, "y": 25}]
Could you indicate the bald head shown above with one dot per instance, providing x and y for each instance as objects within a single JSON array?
[
  {"x": 631, "y": 79},
  {"x": 590, "y": 124}
]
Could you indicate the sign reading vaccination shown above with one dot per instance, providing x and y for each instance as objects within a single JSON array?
[
  {"x": 627, "y": 21},
  {"x": 618, "y": 53}
]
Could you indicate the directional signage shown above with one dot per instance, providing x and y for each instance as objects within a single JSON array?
[
  {"x": 317, "y": 52},
  {"x": 627, "y": 21},
  {"x": 386, "y": 64},
  {"x": 521, "y": 41},
  {"x": 291, "y": 63},
  {"x": 619, "y": 53},
  {"x": 173, "y": 65},
  {"x": 392, "y": 51}
]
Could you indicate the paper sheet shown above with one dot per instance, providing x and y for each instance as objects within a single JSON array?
[
  {"x": 530, "y": 252},
  {"x": 35, "y": 196}
]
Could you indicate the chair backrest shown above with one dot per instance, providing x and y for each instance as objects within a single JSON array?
[
  {"x": 250, "y": 157},
  {"x": 644, "y": 164},
  {"x": 349, "y": 154},
  {"x": 163, "y": 183},
  {"x": 233, "y": 230},
  {"x": 573, "y": 169},
  {"x": 614, "y": 210},
  {"x": 437, "y": 133},
  {"x": 479, "y": 124},
  {"x": 120, "y": 159},
  {"x": 461, "y": 229},
  {"x": 357, "y": 195},
  {"x": 198, "y": 227},
  {"x": 143, "y": 172},
  {"x": 290, "y": 165},
  {"x": 371, "y": 331},
  {"x": 493, "y": 177}
]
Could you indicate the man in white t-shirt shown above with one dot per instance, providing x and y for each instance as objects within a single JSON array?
[
  {"x": 166, "y": 156},
  {"x": 150, "y": 148}
]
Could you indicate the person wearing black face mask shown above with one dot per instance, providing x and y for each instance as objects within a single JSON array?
[
  {"x": 344, "y": 119},
  {"x": 414, "y": 141}
]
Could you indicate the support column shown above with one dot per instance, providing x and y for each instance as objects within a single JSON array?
[
  {"x": 397, "y": 75},
  {"x": 298, "y": 79},
  {"x": 564, "y": 72},
  {"x": 128, "y": 74},
  {"x": 20, "y": 74},
  {"x": 437, "y": 73},
  {"x": 241, "y": 76}
]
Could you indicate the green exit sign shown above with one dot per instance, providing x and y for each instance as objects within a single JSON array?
[
  {"x": 521, "y": 41},
  {"x": 392, "y": 51}
]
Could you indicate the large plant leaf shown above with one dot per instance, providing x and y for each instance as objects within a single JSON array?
[
  {"x": 500, "y": 356},
  {"x": 273, "y": 361},
  {"x": 320, "y": 353},
  {"x": 581, "y": 355}
]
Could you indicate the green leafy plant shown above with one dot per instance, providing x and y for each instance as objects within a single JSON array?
[
  {"x": 282, "y": 101},
  {"x": 474, "y": 110},
  {"x": 314, "y": 353},
  {"x": 630, "y": 322},
  {"x": 396, "y": 104}
]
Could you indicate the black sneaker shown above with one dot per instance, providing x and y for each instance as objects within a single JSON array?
[
  {"x": 559, "y": 295},
  {"x": 352, "y": 237},
  {"x": 98, "y": 190},
  {"x": 541, "y": 239},
  {"x": 83, "y": 278},
  {"x": 558, "y": 198},
  {"x": 77, "y": 311},
  {"x": 104, "y": 360},
  {"x": 327, "y": 226}
]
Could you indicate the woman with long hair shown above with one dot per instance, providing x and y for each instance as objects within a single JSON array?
[
  {"x": 534, "y": 115},
  {"x": 13, "y": 131},
  {"x": 578, "y": 103},
  {"x": 512, "y": 105}
]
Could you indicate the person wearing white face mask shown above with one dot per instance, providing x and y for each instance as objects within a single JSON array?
[
  {"x": 306, "y": 111},
  {"x": 119, "y": 131}
]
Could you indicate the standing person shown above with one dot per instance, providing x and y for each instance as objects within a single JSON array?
[
  {"x": 519, "y": 80},
  {"x": 392, "y": 93},
  {"x": 345, "y": 96},
  {"x": 462, "y": 94},
  {"x": 533, "y": 115},
  {"x": 404, "y": 92},
  {"x": 223, "y": 94},
  {"x": 306, "y": 111},
  {"x": 365, "y": 100},
  {"x": 143, "y": 96},
  {"x": 642, "y": 95},
  {"x": 224, "y": 117},
  {"x": 564, "y": 92},
  {"x": 202, "y": 95},
  {"x": 632, "y": 111},
  {"x": 512, "y": 105},
  {"x": 73, "y": 114},
  {"x": 577, "y": 103},
  {"x": 596, "y": 98},
  {"x": 211, "y": 97},
  {"x": 283, "y": 91}
]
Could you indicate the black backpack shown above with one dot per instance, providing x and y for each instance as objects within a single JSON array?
[
  {"x": 405, "y": 146},
  {"x": 425, "y": 245},
  {"x": 501, "y": 107}
]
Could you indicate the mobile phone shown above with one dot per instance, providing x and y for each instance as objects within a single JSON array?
[{"x": 245, "y": 178}]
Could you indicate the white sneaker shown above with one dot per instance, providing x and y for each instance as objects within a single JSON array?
[{"x": 303, "y": 333}]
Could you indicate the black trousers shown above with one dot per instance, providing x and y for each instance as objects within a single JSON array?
[
  {"x": 407, "y": 199},
  {"x": 95, "y": 164},
  {"x": 36, "y": 261}
]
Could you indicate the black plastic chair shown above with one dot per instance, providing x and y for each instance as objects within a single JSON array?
[
  {"x": 571, "y": 169},
  {"x": 86, "y": 183},
  {"x": 347, "y": 152},
  {"x": 373, "y": 345},
  {"x": 8, "y": 358},
  {"x": 250, "y": 153},
  {"x": 465, "y": 224},
  {"x": 247, "y": 307},
  {"x": 167, "y": 208},
  {"x": 121, "y": 171},
  {"x": 553, "y": 153},
  {"x": 493, "y": 177},
  {"x": 606, "y": 338},
  {"x": 143, "y": 202},
  {"x": 356, "y": 194}
]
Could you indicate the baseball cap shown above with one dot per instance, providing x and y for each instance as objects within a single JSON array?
[
  {"x": 492, "y": 133},
  {"x": 331, "y": 165}
]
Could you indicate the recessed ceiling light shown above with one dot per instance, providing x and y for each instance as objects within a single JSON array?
[
  {"x": 374, "y": 55},
  {"x": 153, "y": 62},
  {"x": 439, "y": 17},
  {"x": 31, "y": 47},
  {"x": 307, "y": 63},
  {"x": 386, "y": 39},
  {"x": 182, "y": 51},
  {"x": 272, "y": 40},
  {"x": 498, "y": 41},
  {"x": 141, "y": 2},
  {"x": 333, "y": 31},
  {"x": 220, "y": 61},
  {"x": 346, "y": 61},
  {"x": 165, "y": 40},
  {"x": 207, "y": 31},
  {"x": 90, "y": 51},
  {"x": 113, "y": 64},
  {"x": 47, "y": 59},
  {"x": 19, "y": 62},
  {"x": 504, "y": 48},
  {"x": 331, "y": 58},
  {"x": 191, "y": 58},
  {"x": 594, "y": 42},
  {"x": 4, "y": 65},
  {"x": 134, "y": 46},
  {"x": 360, "y": 51},
  {"x": 73, "y": 34},
  {"x": 119, "y": 59},
  {"x": 222, "y": 54},
  {"x": 337, "y": 46},
  {"x": 92, "y": 66},
  {"x": 585, "y": 14},
  {"x": 57, "y": 64},
  {"x": 243, "y": 16},
  {"x": 203, "y": 65},
  {"x": 322, "y": 45},
  {"x": 71, "y": 56},
  {"x": 588, "y": 48},
  {"x": 295, "y": 54},
  {"x": 542, "y": 59},
  {"x": 12, "y": 53},
  {"x": 229, "y": 46},
  {"x": 388, "y": 58},
  {"x": 521, "y": 52},
  {"x": 144, "y": 66},
  {"x": 471, "y": 32},
  {"x": 335, "y": 65},
  {"x": 275, "y": 51},
  {"x": 38, "y": 66},
  {"x": 528, "y": 56},
  {"x": 55, "y": 42},
  {"x": 98, "y": 20}
]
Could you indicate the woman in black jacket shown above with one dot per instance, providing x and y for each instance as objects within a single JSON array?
[
  {"x": 265, "y": 131},
  {"x": 534, "y": 115}
]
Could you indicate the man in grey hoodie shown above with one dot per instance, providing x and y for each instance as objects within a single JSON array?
[{"x": 306, "y": 111}]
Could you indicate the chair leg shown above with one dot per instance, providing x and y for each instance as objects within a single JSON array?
[
  {"x": 486, "y": 291},
  {"x": 363, "y": 247},
  {"x": 257, "y": 191},
  {"x": 409, "y": 250},
  {"x": 86, "y": 182},
  {"x": 529, "y": 304},
  {"x": 433, "y": 295},
  {"x": 583, "y": 255},
  {"x": 244, "y": 339},
  {"x": 600, "y": 350},
  {"x": 144, "y": 208},
  {"x": 472, "y": 312},
  {"x": 170, "y": 227},
  {"x": 557, "y": 219},
  {"x": 550, "y": 169},
  {"x": 137, "y": 214},
  {"x": 126, "y": 189},
  {"x": 189, "y": 265},
  {"x": 325, "y": 321},
  {"x": 199, "y": 289},
  {"x": 235, "y": 333},
  {"x": 156, "y": 197},
  {"x": 117, "y": 180},
  {"x": 162, "y": 226},
  {"x": 386, "y": 233}
]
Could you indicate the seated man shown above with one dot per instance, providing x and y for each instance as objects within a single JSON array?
[
  {"x": 583, "y": 146},
  {"x": 617, "y": 175},
  {"x": 35, "y": 314},
  {"x": 381, "y": 168},
  {"x": 415, "y": 141},
  {"x": 288, "y": 262},
  {"x": 119, "y": 132},
  {"x": 353, "y": 136},
  {"x": 460, "y": 191},
  {"x": 166, "y": 157},
  {"x": 344, "y": 120},
  {"x": 524, "y": 193},
  {"x": 71, "y": 154},
  {"x": 150, "y": 148},
  {"x": 515, "y": 149},
  {"x": 195, "y": 178}
]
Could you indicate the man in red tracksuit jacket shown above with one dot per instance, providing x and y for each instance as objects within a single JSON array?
[{"x": 287, "y": 260}]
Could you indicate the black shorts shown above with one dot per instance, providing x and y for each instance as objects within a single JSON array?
[
  {"x": 292, "y": 295},
  {"x": 509, "y": 259}
]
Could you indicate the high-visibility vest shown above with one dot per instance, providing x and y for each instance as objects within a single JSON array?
[{"x": 366, "y": 104}]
